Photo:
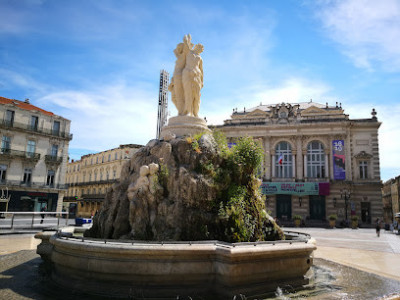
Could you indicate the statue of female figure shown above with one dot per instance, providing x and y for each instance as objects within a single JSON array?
[
  {"x": 192, "y": 78},
  {"x": 176, "y": 86}
]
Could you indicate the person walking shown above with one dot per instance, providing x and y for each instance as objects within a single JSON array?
[
  {"x": 378, "y": 227},
  {"x": 43, "y": 209}
]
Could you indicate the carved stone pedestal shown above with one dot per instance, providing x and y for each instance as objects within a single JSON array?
[{"x": 184, "y": 126}]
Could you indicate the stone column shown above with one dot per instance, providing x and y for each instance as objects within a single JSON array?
[
  {"x": 267, "y": 158},
  {"x": 305, "y": 163},
  {"x": 326, "y": 175},
  {"x": 273, "y": 163},
  {"x": 294, "y": 163}
]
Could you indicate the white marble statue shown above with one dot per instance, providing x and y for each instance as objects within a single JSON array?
[{"x": 187, "y": 79}]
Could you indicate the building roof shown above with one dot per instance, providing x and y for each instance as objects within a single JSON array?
[
  {"x": 302, "y": 106},
  {"x": 24, "y": 105}
]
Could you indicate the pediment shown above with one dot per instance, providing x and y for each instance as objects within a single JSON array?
[
  {"x": 363, "y": 155},
  {"x": 256, "y": 113},
  {"x": 313, "y": 110}
]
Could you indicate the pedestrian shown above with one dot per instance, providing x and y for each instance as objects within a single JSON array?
[
  {"x": 378, "y": 227},
  {"x": 44, "y": 208}
]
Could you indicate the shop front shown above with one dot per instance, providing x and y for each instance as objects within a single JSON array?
[{"x": 307, "y": 199}]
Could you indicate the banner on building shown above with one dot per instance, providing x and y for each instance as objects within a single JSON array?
[
  {"x": 339, "y": 166},
  {"x": 290, "y": 188}
]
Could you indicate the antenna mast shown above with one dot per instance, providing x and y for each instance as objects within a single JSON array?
[{"x": 162, "y": 101}]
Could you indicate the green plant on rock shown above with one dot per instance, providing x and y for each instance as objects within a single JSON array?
[{"x": 248, "y": 156}]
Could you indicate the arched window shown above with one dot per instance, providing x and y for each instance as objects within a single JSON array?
[
  {"x": 315, "y": 160},
  {"x": 283, "y": 160}
]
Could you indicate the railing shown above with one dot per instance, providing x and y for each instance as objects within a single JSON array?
[
  {"x": 21, "y": 154},
  {"x": 53, "y": 159},
  {"x": 89, "y": 197},
  {"x": 29, "y": 127},
  {"x": 28, "y": 219},
  {"x": 11, "y": 183},
  {"x": 93, "y": 182}
]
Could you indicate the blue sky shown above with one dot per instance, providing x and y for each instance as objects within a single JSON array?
[{"x": 97, "y": 62}]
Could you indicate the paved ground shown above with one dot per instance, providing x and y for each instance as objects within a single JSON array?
[{"x": 360, "y": 249}]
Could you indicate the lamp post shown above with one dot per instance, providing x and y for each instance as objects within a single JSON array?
[{"x": 345, "y": 194}]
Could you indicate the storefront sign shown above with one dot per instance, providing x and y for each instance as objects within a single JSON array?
[
  {"x": 290, "y": 188},
  {"x": 339, "y": 167}
]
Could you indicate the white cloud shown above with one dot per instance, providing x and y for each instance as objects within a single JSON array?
[
  {"x": 107, "y": 117},
  {"x": 290, "y": 90},
  {"x": 368, "y": 32}
]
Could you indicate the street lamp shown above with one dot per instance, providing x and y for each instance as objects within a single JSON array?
[{"x": 345, "y": 194}]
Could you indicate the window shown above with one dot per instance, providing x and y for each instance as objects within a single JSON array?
[
  {"x": 109, "y": 157},
  {"x": 315, "y": 160},
  {"x": 56, "y": 128},
  {"x": 283, "y": 160},
  {"x": 27, "y": 176},
  {"x": 363, "y": 169},
  {"x": 50, "y": 178},
  {"x": 101, "y": 175},
  {"x": 9, "y": 118},
  {"x": 97, "y": 160},
  {"x": 3, "y": 172},
  {"x": 108, "y": 175},
  {"x": 34, "y": 123},
  {"x": 115, "y": 174},
  {"x": 102, "y": 159},
  {"x": 5, "y": 144},
  {"x": 54, "y": 152},
  {"x": 90, "y": 177},
  {"x": 30, "y": 149},
  {"x": 116, "y": 155}
]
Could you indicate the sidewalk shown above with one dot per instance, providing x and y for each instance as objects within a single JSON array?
[{"x": 359, "y": 248}]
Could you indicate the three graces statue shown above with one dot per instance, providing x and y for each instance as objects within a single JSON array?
[{"x": 187, "y": 79}]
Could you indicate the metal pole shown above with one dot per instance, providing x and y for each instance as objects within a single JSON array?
[
  {"x": 33, "y": 219},
  {"x": 12, "y": 221},
  {"x": 58, "y": 220}
]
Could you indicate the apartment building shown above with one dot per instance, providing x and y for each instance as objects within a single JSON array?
[
  {"x": 33, "y": 156},
  {"x": 90, "y": 177}
]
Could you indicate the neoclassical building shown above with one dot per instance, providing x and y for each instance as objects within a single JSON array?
[
  {"x": 391, "y": 199},
  {"x": 33, "y": 156},
  {"x": 90, "y": 177},
  {"x": 317, "y": 160}
]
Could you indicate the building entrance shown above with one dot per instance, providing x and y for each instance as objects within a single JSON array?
[
  {"x": 317, "y": 207},
  {"x": 365, "y": 212},
  {"x": 284, "y": 207}
]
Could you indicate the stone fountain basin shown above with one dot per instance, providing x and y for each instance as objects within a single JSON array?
[{"x": 153, "y": 269}]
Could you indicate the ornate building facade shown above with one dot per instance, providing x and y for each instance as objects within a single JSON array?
[
  {"x": 90, "y": 177},
  {"x": 318, "y": 161},
  {"x": 33, "y": 156},
  {"x": 391, "y": 199}
]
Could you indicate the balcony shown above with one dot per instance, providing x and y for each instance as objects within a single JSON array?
[
  {"x": 109, "y": 181},
  {"x": 31, "y": 128},
  {"x": 53, "y": 159},
  {"x": 93, "y": 197},
  {"x": 11, "y": 153},
  {"x": 33, "y": 185}
]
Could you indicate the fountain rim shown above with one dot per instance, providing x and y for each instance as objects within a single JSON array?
[{"x": 299, "y": 237}]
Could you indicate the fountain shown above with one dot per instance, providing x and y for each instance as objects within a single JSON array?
[{"x": 186, "y": 218}]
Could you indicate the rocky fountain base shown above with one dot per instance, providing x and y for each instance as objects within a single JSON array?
[{"x": 186, "y": 218}]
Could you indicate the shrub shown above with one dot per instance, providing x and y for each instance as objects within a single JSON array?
[
  {"x": 332, "y": 217},
  {"x": 297, "y": 217}
]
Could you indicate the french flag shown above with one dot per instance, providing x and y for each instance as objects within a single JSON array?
[{"x": 280, "y": 159}]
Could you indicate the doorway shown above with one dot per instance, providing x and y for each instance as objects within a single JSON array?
[
  {"x": 284, "y": 207},
  {"x": 366, "y": 212},
  {"x": 317, "y": 207}
]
